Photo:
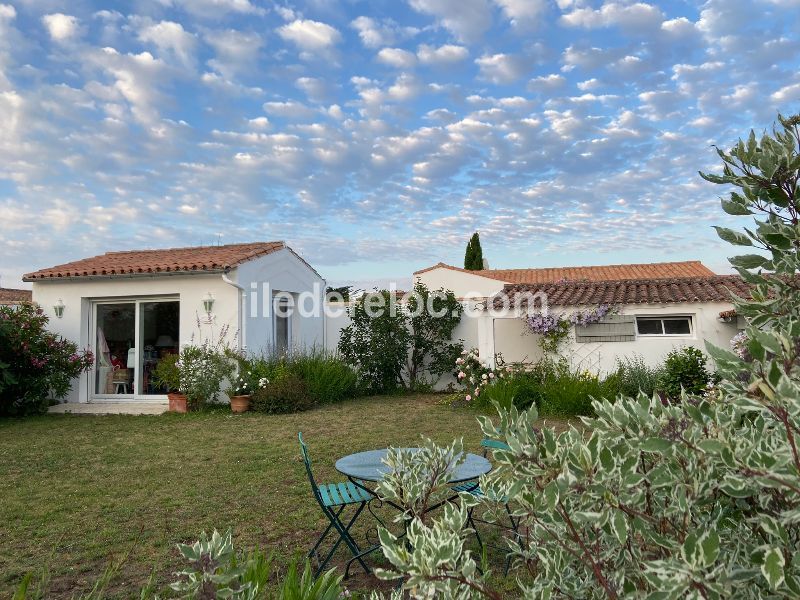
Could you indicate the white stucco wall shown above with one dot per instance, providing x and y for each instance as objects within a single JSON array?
[
  {"x": 463, "y": 285},
  {"x": 78, "y": 294},
  {"x": 512, "y": 340},
  {"x": 281, "y": 271}
]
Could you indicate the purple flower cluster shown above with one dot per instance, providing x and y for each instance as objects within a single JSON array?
[
  {"x": 543, "y": 324},
  {"x": 587, "y": 317}
]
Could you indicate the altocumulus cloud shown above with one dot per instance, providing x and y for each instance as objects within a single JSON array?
[{"x": 375, "y": 143}]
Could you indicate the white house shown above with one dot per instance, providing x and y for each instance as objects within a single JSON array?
[
  {"x": 134, "y": 307},
  {"x": 657, "y": 307}
]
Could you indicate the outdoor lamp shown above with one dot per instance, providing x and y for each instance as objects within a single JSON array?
[
  {"x": 208, "y": 303},
  {"x": 58, "y": 308}
]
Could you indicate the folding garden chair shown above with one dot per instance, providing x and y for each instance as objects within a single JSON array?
[
  {"x": 333, "y": 498},
  {"x": 470, "y": 487}
]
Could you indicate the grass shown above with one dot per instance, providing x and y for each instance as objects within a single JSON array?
[{"x": 80, "y": 492}]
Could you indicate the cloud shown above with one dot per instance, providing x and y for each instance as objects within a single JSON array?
[
  {"x": 216, "y": 8},
  {"x": 468, "y": 20},
  {"x": 443, "y": 55},
  {"x": 500, "y": 68},
  {"x": 61, "y": 27},
  {"x": 172, "y": 40},
  {"x": 632, "y": 17},
  {"x": 523, "y": 13},
  {"x": 789, "y": 93},
  {"x": 544, "y": 83},
  {"x": 397, "y": 58},
  {"x": 236, "y": 53},
  {"x": 310, "y": 35}
]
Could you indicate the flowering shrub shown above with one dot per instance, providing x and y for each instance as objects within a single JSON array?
[
  {"x": 473, "y": 374},
  {"x": 36, "y": 365},
  {"x": 554, "y": 329},
  {"x": 199, "y": 370},
  {"x": 739, "y": 345}
]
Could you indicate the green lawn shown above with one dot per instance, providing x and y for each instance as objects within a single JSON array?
[{"x": 76, "y": 492}]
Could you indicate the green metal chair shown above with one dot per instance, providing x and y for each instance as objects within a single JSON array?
[
  {"x": 333, "y": 498},
  {"x": 475, "y": 489}
]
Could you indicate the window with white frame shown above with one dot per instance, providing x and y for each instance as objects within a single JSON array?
[{"x": 667, "y": 325}]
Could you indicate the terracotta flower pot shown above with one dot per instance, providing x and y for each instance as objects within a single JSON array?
[
  {"x": 240, "y": 404},
  {"x": 178, "y": 403}
]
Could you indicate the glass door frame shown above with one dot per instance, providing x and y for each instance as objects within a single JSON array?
[{"x": 137, "y": 301}]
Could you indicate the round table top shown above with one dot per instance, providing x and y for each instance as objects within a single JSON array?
[{"x": 369, "y": 466}]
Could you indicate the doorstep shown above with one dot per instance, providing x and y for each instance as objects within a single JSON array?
[{"x": 110, "y": 408}]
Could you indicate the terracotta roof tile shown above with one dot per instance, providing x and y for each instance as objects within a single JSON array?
[
  {"x": 153, "y": 262},
  {"x": 717, "y": 288},
  {"x": 665, "y": 270},
  {"x": 12, "y": 296}
]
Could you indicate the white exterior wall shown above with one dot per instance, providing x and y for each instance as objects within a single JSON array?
[
  {"x": 77, "y": 296},
  {"x": 515, "y": 344},
  {"x": 463, "y": 285},
  {"x": 280, "y": 271}
]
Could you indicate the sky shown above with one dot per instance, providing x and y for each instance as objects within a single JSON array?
[{"x": 375, "y": 136}]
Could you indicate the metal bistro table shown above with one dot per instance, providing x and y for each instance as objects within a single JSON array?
[{"x": 368, "y": 466}]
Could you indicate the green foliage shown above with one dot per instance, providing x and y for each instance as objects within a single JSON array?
[
  {"x": 166, "y": 374},
  {"x": 473, "y": 256},
  {"x": 418, "y": 477},
  {"x": 695, "y": 498},
  {"x": 286, "y": 394},
  {"x": 329, "y": 379},
  {"x": 339, "y": 294},
  {"x": 568, "y": 392},
  {"x": 634, "y": 376},
  {"x": 36, "y": 365},
  {"x": 684, "y": 369},
  {"x": 431, "y": 319},
  {"x": 303, "y": 586},
  {"x": 391, "y": 345},
  {"x": 376, "y": 342}
]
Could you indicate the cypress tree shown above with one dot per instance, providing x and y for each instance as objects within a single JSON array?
[{"x": 473, "y": 257}]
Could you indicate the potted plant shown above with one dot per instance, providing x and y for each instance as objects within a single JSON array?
[
  {"x": 167, "y": 374},
  {"x": 240, "y": 391}
]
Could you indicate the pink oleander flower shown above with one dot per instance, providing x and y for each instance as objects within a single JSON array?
[
  {"x": 468, "y": 398},
  {"x": 459, "y": 361},
  {"x": 491, "y": 375},
  {"x": 461, "y": 374}
]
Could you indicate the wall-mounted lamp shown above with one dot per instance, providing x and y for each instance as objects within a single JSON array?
[
  {"x": 208, "y": 304},
  {"x": 58, "y": 308}
]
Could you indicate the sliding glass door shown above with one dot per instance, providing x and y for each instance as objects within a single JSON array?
[{"x": 131, "y": 338}]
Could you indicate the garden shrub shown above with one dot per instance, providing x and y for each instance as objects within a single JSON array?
[
  {"x": 391, "y": 345},
  {"x": 634, "y": 376},
  {"x": 283, "y": 395},
  {"x": 686, "y": 369},
  {"x": 328, "y": 377},
  {"x": 37, "y": 366}
]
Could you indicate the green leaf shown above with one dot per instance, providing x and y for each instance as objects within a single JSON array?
[
  {"x": 619, "y": 526},
  {"x": 733, "y": 237},
  {"x": 772, "y": 568},
  {"x": 655, "y": 444},
  {"x": 735, "y": 208},
  {"x": 748, "y": 261}
]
